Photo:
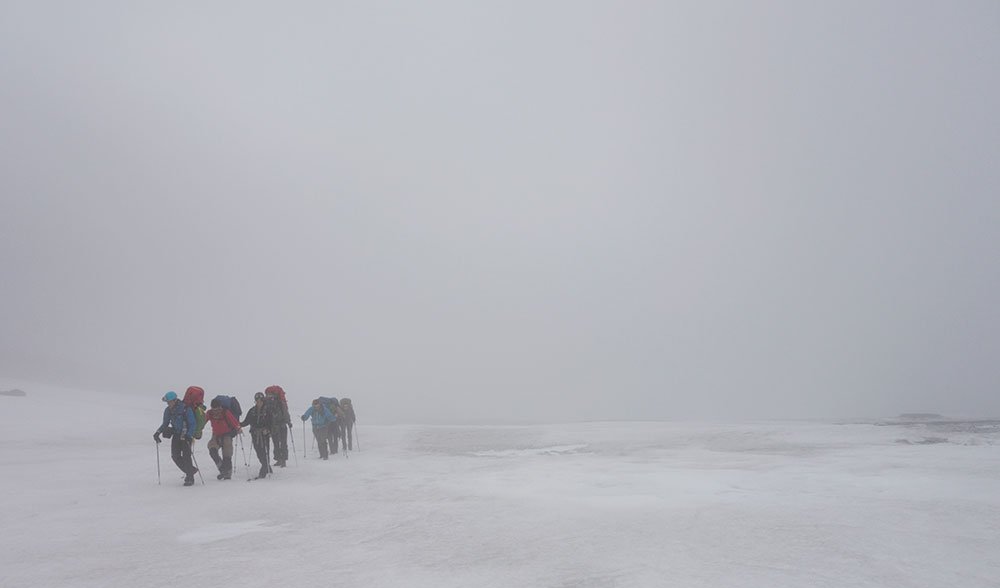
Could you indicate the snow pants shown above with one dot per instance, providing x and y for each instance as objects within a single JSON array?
[
  {"x": 347, "y": 435},
  {"x": 332, "y": 433},
  {"x": 180, "y": 452},
  {"x": 225, "y": 464},
  {"x": 260, "y": 446},
  {"x": 322, "y": 435},
  {"x": 279, "y": 435}
]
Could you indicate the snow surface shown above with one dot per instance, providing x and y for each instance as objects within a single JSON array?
[{"x": 589, "y": 505}]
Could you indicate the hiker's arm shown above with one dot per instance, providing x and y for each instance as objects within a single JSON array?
[{"x": 191, "y": 424}]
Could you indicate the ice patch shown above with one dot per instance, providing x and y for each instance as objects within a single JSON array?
[
  {"x": 221, "y": 532},
  {"x": 553, "y": 450}
]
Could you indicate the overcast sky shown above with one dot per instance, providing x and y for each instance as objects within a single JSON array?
[{"x": 468, "y": 211}]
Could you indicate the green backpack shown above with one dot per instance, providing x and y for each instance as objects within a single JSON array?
[{"x": 199, "y": 420}]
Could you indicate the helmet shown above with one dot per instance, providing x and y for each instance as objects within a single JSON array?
[{"x": 170, "y": 396}]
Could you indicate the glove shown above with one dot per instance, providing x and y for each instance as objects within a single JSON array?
[
  {"x": 303, "y": 419},
  {"x": 289, "y": 423},
  {"x": 156, "y": 437},
  {"x": 189, "y": 439}
]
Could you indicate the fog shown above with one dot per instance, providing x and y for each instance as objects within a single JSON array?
[{"x": 505, "y": 212}]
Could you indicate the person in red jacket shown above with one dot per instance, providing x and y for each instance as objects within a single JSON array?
[{"x": 224, "y": 428}]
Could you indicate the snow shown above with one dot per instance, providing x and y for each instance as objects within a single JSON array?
[{"x": 766, "y": 504}]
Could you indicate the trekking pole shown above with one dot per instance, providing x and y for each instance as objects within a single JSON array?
[
  {"x": 157, "y": 463},
  {"x": 246, "y": 462},
  {"x": 291, "y": 435},
  {"x": 342, "y": 439},
  {"x": 194, "y": 460},
  {"x": 357, "y": 438},
  {"x": 304, "y": 440},
  {"x": 267, "y": 453}
]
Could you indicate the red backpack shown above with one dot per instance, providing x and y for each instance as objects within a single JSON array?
[
  {"x": 277, "y": 390},
  {"x": 194, "y": 396}
]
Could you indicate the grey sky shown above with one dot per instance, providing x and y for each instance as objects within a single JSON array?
[{"x": 519, "y": 210}]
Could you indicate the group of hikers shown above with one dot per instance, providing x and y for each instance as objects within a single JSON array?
[{"x": 269, "y": 420}]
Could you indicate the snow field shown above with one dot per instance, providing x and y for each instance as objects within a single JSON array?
[{"x": 588, "y": 505}]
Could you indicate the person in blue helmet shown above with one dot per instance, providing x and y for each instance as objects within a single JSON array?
[{"x": 178, "y": 426}]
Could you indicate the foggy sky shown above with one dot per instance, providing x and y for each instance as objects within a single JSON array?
[{"x": 467, "y": 211}]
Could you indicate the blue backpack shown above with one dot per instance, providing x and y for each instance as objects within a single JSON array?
[
  {"x": 231, "y": 404},
  {"x": 330, "y": 402}
]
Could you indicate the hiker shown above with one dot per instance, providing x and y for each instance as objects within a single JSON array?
[
  {"x": 277, "y": 407},
  {"x": 347, "y": 428},
  {"x": 224, "y": 428},
  {"x": 322, "y": 421},
  {"x": 333, "y": 431},
  {"x": 341, "y": 420},
  {"x": 178, "y": 426},
  {"x": 259, "y": 421}
]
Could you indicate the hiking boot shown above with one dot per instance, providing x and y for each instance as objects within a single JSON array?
[{"x": 189, "y": 481}]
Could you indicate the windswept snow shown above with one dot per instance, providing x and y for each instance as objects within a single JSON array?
[
  {"x": 222, "y": 531},
  {"x": 583, "y": 505}
]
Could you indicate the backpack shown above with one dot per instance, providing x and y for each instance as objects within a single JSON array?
[
  {"x": 279, "y": 391},
  {"x": 235, "y": 408},
  {"x": 330, "y": 402},
  {"x": 199, "y": 420},
  {"x": 276, "y": 405},
  {"x": 231, "y": 404},
  {"x": 194, "y": 396}
]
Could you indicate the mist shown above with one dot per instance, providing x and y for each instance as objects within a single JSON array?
[{"x": 499, "y": 212}]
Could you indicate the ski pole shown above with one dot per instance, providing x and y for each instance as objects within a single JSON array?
[
  {"x": 357, "y": 438},
  {"x": 194, "y": 460},
  {"x": 291, "y": 435},
  {"x": 157, "y": 463},
  {"x": 267, "y": 453},
  {"x": 246, "y": 462},
  {"x": 303, "y": 440}
]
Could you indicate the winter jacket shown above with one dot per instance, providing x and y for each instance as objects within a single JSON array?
[
  {"x": 321, "y": 417},
  {"x": 180, "y": 418},
  {"x": 223, "y": 421},
  {"x": 257, "y": 419}
]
